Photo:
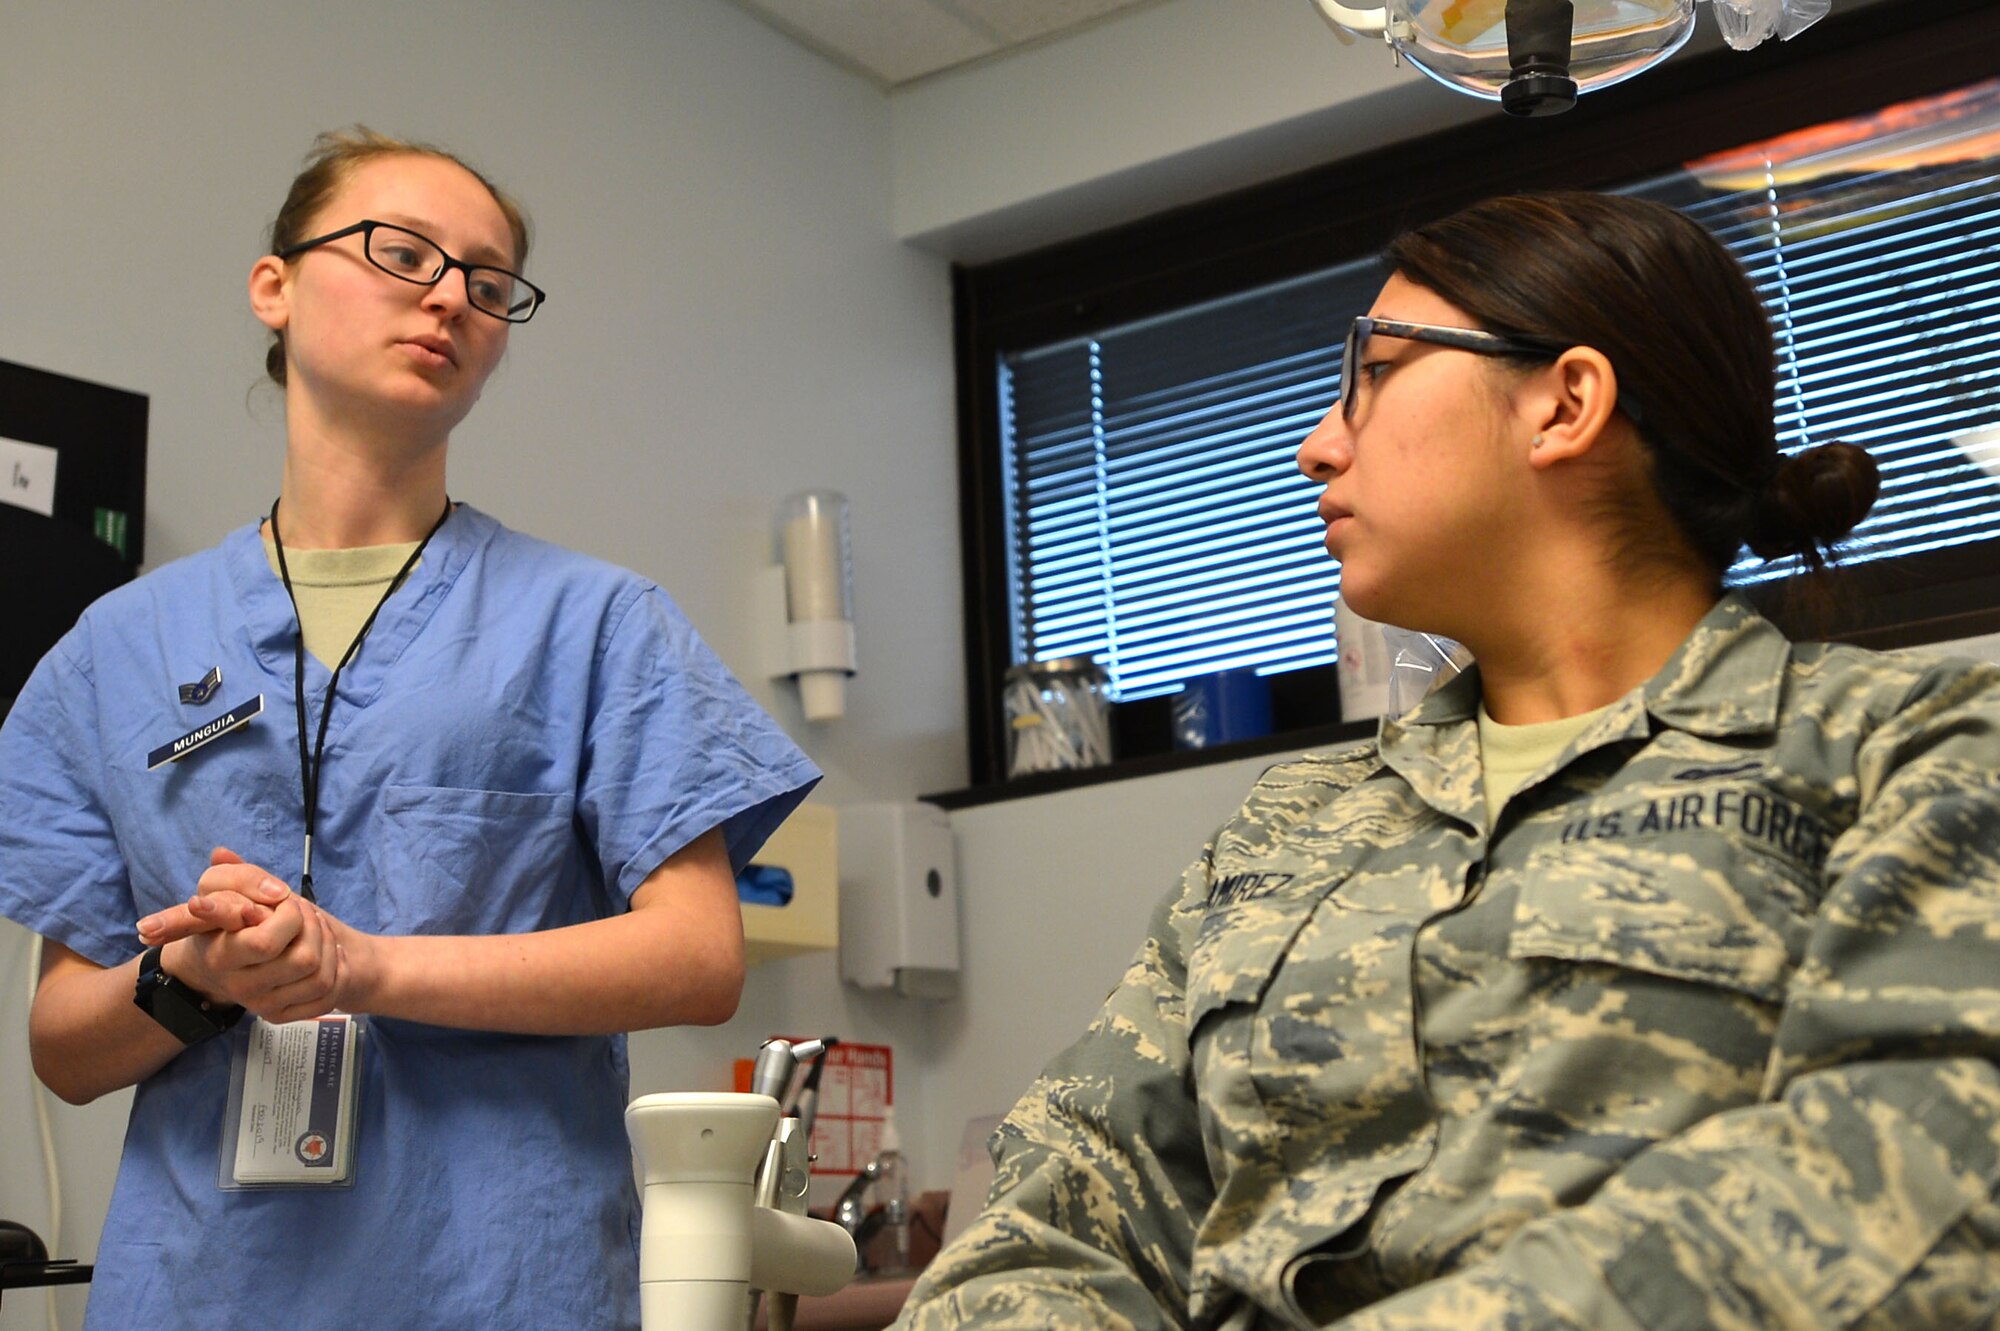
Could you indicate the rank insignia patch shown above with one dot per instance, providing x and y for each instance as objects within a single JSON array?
[{"x": 199, "y": 692}]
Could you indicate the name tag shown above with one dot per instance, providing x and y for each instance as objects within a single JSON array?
[{"x": 206, "y": 733}]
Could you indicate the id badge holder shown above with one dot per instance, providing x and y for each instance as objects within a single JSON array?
[{"x": 291, "y": 1118}]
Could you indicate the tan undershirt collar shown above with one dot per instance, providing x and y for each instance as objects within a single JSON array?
[{"x": 337, "y": 590}]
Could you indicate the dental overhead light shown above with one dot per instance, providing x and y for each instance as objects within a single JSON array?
[{"x": 1535, "y": 57}]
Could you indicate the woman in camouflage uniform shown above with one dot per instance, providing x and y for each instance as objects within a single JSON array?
[{"x": 1646, "y": 975}]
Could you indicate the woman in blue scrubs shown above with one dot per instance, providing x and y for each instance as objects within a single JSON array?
[{"x": 378, "y": 755}]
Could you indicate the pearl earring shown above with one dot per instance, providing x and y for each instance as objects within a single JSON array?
[{"x": 1536, "y": 442}]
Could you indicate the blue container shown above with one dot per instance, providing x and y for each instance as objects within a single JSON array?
[{"x": 1222, "y": 708}]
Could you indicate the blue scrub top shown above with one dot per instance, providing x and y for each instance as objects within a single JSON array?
[{"x": 524, "y": 736}]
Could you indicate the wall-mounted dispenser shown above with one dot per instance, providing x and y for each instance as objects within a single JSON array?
[
  {"x": 898, "y": 899},
  {"x": 807, "y": 603}
]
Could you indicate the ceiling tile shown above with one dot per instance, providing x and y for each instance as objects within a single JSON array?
[
  {"x": 892, "y": 40},
  {"x": 1016, "y": 21}
]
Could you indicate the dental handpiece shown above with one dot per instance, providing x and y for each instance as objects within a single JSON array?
[{"x": 777, "y": 1060}]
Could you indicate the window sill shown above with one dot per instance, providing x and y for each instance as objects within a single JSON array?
[
  {"x": 1867, "y": 623},
  {"x": 1154, "y": 764}
]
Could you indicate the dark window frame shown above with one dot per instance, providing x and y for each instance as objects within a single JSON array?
[{"x": 1847, "y": 65}]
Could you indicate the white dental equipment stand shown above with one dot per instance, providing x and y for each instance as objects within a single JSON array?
[{"x": 724, "y": 1193}]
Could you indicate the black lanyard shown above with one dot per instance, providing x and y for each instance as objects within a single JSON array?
[{"x": 309, "y": 767}]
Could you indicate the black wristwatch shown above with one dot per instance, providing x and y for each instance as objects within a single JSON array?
[{"x": 180, "y": 1009}]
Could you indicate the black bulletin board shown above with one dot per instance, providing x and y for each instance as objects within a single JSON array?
[
  {"x": 57, "y": 564},
  {"x": 99, "y": 434}
]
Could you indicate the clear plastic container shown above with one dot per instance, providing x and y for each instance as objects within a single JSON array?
[
  {"x": 1058, "y": 716},
  {"x": 892, "y": 1185}
]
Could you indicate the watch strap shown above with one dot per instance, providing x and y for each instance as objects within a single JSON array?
[{"x": 190, "y": 1017}]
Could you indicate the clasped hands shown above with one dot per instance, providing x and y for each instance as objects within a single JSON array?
[{"x": 247, "y": 938}]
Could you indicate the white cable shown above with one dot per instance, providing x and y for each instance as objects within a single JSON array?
[{"x": 49, "y": 1165}]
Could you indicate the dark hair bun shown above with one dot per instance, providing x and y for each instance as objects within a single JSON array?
[{"x": 1816, "y": 497}]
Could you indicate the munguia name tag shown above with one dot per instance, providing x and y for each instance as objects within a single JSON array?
[{"x": 205, "y": 733}]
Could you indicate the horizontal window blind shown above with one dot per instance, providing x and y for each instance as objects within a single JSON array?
[
  {"x": 1875, "y": 244},
  {"x": 1157, "y": 521}
]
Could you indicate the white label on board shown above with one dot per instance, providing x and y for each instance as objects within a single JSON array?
[{"x": 28, "y": 476}]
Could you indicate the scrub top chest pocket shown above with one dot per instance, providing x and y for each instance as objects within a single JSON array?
[{"x": 453, "y": 860}]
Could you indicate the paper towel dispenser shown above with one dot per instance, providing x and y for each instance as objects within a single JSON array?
[{"x": 898, "y": 899}]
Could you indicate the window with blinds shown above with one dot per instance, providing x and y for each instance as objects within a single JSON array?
[{"x": 1157, "y": 521}]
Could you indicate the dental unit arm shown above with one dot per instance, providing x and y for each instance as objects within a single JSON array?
[{"x": 723, "y": 1217}]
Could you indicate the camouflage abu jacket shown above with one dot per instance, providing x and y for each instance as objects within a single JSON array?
[{"x": 1701, "y": 1034}]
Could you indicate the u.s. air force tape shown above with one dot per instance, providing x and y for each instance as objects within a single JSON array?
[{"x": 205, "y": 733}]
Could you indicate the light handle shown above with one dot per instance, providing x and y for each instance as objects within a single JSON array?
[{"x": 1368, "y": 19}]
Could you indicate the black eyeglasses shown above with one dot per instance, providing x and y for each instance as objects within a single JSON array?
[
  {"x": 1474, "y": 340},
  {"x": 409, "y": 257}
]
